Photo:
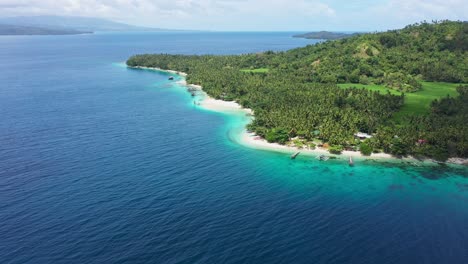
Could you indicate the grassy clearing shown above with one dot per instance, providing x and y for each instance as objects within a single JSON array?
[
  {"x": 420, "y": 101},
  {"x": 259, "y": 70},
  {"x": 417, "y": 102},
  {"x": 372, "y": 87}
]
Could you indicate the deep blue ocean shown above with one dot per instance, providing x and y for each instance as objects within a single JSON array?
[{"x": 104, "y": 164}]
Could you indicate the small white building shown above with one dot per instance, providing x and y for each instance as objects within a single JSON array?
[{"x": 361, "y": 135}]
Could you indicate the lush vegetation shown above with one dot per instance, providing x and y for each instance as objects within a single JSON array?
[
  {"x": 261, "y": 70},
  {"x": 296, "y": 99},
  {"x": 365, "y": 149}
]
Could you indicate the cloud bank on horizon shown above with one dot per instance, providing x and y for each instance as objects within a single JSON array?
[{"x": 274, "y": 15}]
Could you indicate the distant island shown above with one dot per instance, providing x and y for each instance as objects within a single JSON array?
[
  {"x": 28, "y": 30},
  {"x": 401, "y": 92},
  {"x": 327, "y": 35},
  {"x": 64, "y": 25}
]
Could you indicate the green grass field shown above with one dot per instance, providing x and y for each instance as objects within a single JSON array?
[
  {"x": 372, "y": 87},
  {"x": 260, "y": 70},
  {"x": 417, "y": 102}
]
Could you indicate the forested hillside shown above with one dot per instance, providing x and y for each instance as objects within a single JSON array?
[
  {"x": 295, "y": 93},
  {"x": 397, "y": 59}
]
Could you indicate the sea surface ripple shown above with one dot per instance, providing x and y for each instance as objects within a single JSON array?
[{"x": 104, "y": 164}]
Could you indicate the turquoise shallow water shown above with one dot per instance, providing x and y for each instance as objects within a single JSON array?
[
  {"x": 104, "y": 164},
  {"x": 370, "y": 177}
]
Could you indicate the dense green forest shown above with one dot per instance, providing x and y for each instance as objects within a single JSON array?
[{"x": 294, "y": 94}]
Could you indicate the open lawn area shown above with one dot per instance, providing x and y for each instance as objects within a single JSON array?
[
  {"x": 417, "y": 102},
  {"x": 372, "y": 87}
]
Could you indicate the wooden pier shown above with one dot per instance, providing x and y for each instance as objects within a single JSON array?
[{"x": 293, "y": 156}]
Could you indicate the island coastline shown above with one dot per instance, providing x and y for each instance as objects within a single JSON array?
[{"x": 253, "y": 141}]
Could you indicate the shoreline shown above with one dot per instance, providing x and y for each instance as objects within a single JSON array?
[{"x": 251, "y": 140}]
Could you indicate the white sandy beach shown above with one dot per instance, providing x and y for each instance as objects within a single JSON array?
[
  {"x": 212, "y": 104},
  {"x": 251, "y": 140},
  {"x": 159, "y": 69},
  {"x": 254, "y": 141}
]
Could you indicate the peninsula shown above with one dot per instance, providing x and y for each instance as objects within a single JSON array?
[
  {"x": 326, "y": 35},
  {"x": 61, "y": 25},
  {"x": 30, "y": 30},
  {"x": 401, "y": 92}
]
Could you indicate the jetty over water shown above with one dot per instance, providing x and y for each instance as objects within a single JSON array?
[{"x": 294, "y": 155}]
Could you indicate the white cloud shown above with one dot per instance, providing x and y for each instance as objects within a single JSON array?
[
  {"x": 249, "y": 14},
  {"x": 393, "y": 14},
  {"x": 402, "y": 12},
  {"x": 209, "y": 14},
  {"x": 434, "y": 9}
]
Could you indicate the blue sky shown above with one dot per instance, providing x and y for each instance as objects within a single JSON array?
[{"x": 251, "y": 15}]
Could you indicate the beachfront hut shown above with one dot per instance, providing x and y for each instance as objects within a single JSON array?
[{"x": 362, "y": 135}]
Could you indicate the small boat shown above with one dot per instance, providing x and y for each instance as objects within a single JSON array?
[
  {"x": 323, "y": 158},
  {"x": 293, "y": 156},
  {"x": 171, "y": 78},
  {"x": 351, "y": 163}
]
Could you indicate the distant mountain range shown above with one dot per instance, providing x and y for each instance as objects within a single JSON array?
[
  {"x": 27, "y": 30},
  {"x": 59, "y": 25},
  {"x": 325, "y": 35}
]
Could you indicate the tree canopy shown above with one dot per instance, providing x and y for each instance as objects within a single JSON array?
[{"x": 295, "y": 93}]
